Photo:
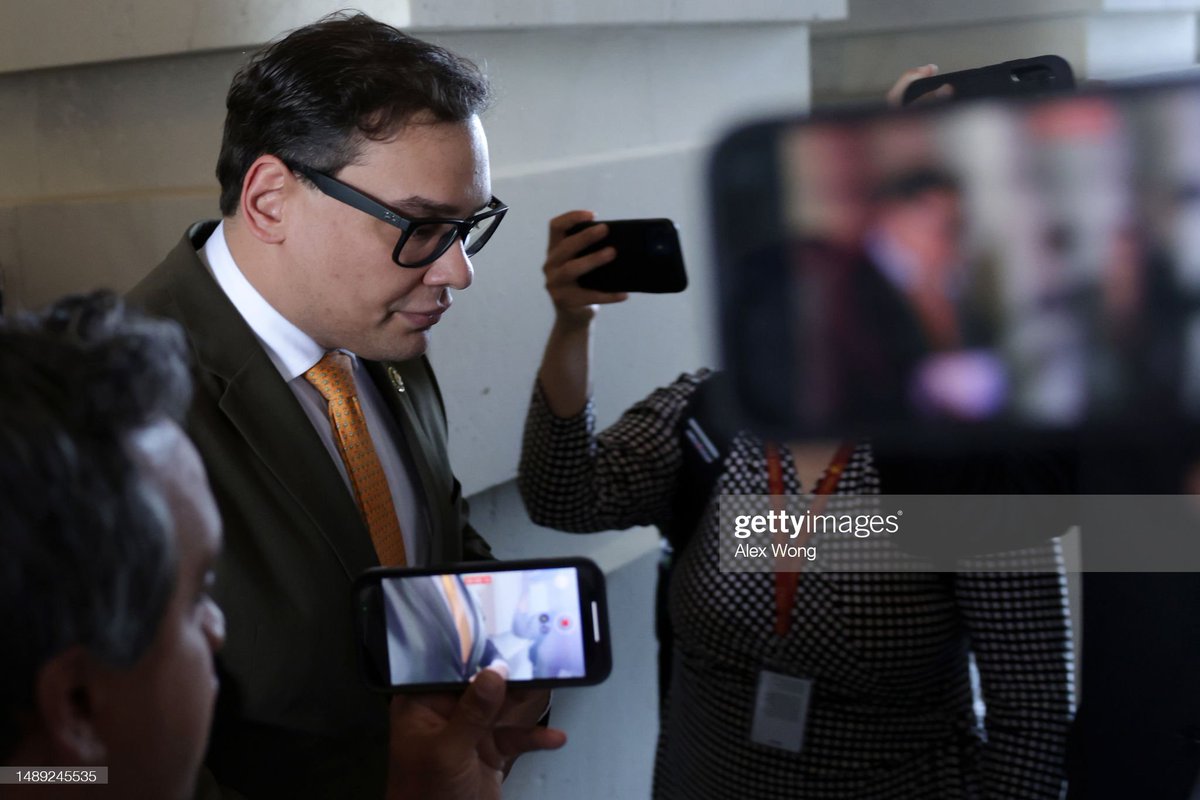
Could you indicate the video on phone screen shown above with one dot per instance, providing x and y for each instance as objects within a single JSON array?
[
  {"x": 1032, "y": 263},
  {"x": 445, "y": 628}
]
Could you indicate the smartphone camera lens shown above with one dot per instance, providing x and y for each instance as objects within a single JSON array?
[{"x": 659, "y": 244}]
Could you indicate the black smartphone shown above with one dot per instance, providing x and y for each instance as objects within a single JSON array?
[
  {"x": 1024, "y": 76},
  {"x": 964, "y": 274},
  {"x": 649, "y": 258},
  {"x": 432, "y": 629}
]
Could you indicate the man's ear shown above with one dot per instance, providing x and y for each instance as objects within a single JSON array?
[
  {"x": 265, "y": 191},
  {"x": 65, "y": 692}
]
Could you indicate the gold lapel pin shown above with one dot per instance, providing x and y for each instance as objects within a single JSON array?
[{"x": 397, "y": 381}]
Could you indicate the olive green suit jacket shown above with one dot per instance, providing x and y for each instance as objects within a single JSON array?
[{"x": 294, "y": 717}]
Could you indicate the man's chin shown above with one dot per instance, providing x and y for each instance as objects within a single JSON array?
[{"x": 408, "y": 345}]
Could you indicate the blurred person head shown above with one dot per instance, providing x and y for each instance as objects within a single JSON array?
[
  {"x": 919, "y": 214},
  {"x": 337, "y": 138},
  {"x": 109, "y": 535},
  {"x": 828, "y": 198}
]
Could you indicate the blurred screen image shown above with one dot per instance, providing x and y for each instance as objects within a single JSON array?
[
  {"x": 445, "y": 628},
  {"x": 1028, "y": 265}
]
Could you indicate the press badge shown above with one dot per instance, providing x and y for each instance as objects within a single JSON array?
[{"x": 781, "y": 710}]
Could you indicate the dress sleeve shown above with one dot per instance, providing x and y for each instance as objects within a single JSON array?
[
  {"x": 1014, "y": 606},
  {"x": 574, "y": 480}
]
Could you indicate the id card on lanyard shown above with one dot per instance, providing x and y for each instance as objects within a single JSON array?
[{"x": 782, "y": 698}]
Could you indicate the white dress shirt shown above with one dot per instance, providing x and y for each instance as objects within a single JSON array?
[{"x": 293, "y": 352}]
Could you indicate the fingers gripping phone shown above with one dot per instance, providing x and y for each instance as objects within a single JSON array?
[
  {"x": 1024, "y": 76},
  {"x": 649, "y": 258},
  {"x": 545, "y": 621}
]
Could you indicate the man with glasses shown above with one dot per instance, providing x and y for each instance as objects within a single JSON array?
[{"x": 354, "y": 189}]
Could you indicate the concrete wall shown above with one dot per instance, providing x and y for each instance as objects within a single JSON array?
[{"x": 614, "y": 119}]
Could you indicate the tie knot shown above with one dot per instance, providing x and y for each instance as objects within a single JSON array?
[{"x": 332, "y": 377}]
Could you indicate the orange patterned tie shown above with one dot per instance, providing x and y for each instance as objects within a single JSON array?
[{"x": 335, "y": 382}]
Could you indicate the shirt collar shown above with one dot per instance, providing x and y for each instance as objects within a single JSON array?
[
  {"x": 897, "y": 265},
  {"x": 892, "y": 261},
  {"x": 291, "y": 350}
]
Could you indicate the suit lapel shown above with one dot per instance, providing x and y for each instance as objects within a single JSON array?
[
  {"x": 446, "y": 626},
  {"x": 389, "y": 380},
  {"x": 266, "y": 414}
]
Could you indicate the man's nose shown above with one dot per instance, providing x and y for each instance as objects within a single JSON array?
[{"x": 452, "y": 268}]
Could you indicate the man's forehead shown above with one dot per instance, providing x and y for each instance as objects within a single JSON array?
[
  {"x": 417, "y": 132},
  {"x": 433, "y": 169}
]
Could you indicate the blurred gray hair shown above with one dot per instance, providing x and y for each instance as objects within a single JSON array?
[{"x": 88, "y": 557}]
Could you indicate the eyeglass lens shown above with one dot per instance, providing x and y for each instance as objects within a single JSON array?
[{"x": 427, "y": 240}]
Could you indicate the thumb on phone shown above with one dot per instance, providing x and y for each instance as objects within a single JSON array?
[
  {"x": 479, "y": 707},
  {"x": 442, "y": 747},
  {"x": 477, "y": 720}
]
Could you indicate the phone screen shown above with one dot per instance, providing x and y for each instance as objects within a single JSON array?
[
  {"x": 987, "y": 269},
  {"x": 543, "y": 621}
]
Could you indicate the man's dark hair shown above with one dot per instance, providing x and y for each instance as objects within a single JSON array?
[
  {"x": 87, "y": 556},
  {"x": 313, "y": 97}
]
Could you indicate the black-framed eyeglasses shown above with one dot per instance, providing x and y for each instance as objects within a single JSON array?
[{"x": 423, "y": 240}]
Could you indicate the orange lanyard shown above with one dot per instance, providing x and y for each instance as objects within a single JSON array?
[{"x": 786, "y": 582}]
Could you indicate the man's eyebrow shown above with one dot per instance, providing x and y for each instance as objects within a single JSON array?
[{"x": 417, "y": 206}]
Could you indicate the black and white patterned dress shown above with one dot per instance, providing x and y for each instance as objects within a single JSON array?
[{"x": 891, "y": 715}]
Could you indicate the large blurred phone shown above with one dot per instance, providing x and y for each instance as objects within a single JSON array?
[
  {"x": 545, "y": 620},
  {"x": 980, "y": 271}
]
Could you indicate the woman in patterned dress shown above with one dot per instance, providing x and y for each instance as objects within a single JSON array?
[{"x": 891, "y": 713}]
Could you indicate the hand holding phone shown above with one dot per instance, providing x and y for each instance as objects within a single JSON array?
[
  {"x": 458, "y": 747},
  {"x": 564, "y": 265},
  {"x": 544, "y": 621},
  {"x": 895, "y": 95},
  {"x": 1024, "y": 76},
  {"x": 648, "y": 257}
]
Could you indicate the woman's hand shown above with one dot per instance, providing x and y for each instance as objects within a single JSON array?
[
  {"x": 574, "y": 304},
  {"x": 565, "y": 375},
  {"x": 895, "y": 95}
]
